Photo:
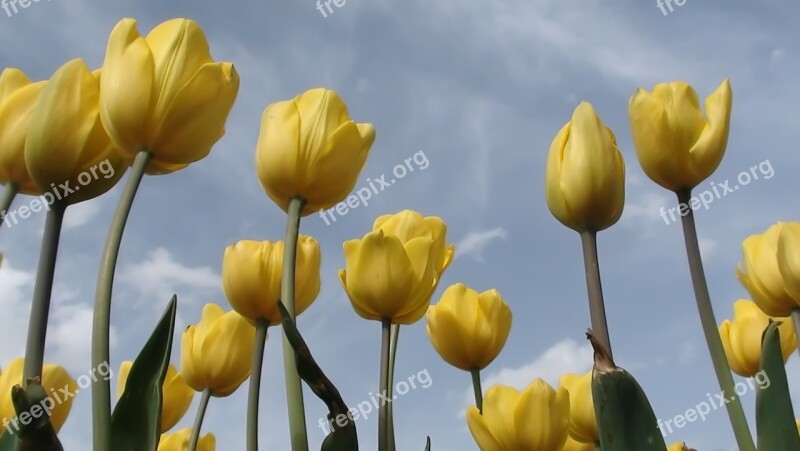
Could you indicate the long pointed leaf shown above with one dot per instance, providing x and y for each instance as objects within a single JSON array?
[{"x": 777, "y": 430}]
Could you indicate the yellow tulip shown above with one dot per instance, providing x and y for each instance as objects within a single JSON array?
[
  {"x": 677, "y": 146},
  {"x": 574, "y": 445},
  {"x": 469, "y": 329},
  {"x": 677, "y": 446},
  {"x": 164, "y": 93},
  {"x": 216, "y": 353},
  {"x": 789, "y": 259},
  {"x": 309, "y": 147},
  {"x": 56, "y": 381},
  {"x": 251, "y": 277},
  {"x": 179, "y": 441},
  {"x": 760, "y": 273},
  {"x": 741, "y": 337},
  {"x": 177, "y": 395},
  {"x": 582, "y": 422},
  {"x": 536, "y": 419},
  {"x": 18, "y": 96},
  {"x": 67, "y": 151},
  {"x": 585, "y": 178},
  {"x": 388, "y": 280}
]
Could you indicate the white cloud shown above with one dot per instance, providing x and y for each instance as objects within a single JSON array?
[{"x": 474, "y": 243}]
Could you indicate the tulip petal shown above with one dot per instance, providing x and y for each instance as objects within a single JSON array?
[
  {"x": 15, "y": 116},
  {"x": 483, "y": 437},
  {"x": 706, "y": 154},
  {"x": 11, "y": 80}
]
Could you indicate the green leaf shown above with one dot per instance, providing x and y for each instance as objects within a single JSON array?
[
  {"x": 136, "y": 421},
  {"x": 343, "y": 438},
  {"x": 777, "y": 430},
  {"x": 428, "y": 443},
  {"x": 38, "y": 433}
]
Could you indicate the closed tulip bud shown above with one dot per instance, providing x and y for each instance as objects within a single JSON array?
[
  {"x": 469, "y": 329},
  {"x": 741, "y": 338},
  {"x": 251, "y": 277},
  {"x": 574, "y": 445},
  {"x": 216, "y": 353},
  {"x": 164, "y": 93},
  {"x": 585, "y": 179},
  {"x": 67, "y": 151},
  {"x": 309, "y": 147},
  {"x": 388, "y": 280},
  {"x": 179, "y": 441},
  {"x": 678, "y": 446},
  {"x": 789, "y": 260},
  {"x": 177, "y": 395},
  {"x": 582, "y": 422},
  {"x": 55, "y": 380},
  {"x": 536, "y": 419},
  {"x": 677, "y": 145},
  {"x": 760, "y": 273},
  {"x": 18, "y": 96}
]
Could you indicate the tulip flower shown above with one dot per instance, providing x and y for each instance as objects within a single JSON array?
[
  {"x": 177, "y": 395},
  {"x": 216, "y": 353},
  {"x": 585, "y": 178},
  {"x": 18, "y": 96},
  {"x": 574, "y": 445},
  {"x": 678, "y": 446},
  {"x": 789, "y": 260},
  {"x": 309, "y": 148},
  {"x": 179, "y": 441},
  {"x": 582, "y": 422},
  {"x": 677, "y": 145},
  {"x": 164, "y": 93},
  {"x": 741, "y": 338},
  {"x": 67, "y": 151},
  {"x": 468, "y": 329},
  {"x": 55, "y": 380},
  {"x": 251, "y": 277},
  {"x": 761, "y": 275},
  {"x": 535, "y": 419}
]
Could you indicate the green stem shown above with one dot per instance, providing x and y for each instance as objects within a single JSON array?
[
  {"x": 294, "y": 387},
  {"x": 597, "y": 309},
  {"x": 383, "y": 413},
  {"x": 255, "y": 384},
  {"x": 709, "y": 323},
  {"x": 8, "y": 198},
  {"x": 395, "y": 334},
  {"x": 796, "y": 322},
  {"x": 101, "y": 389},
  {"x": 40, "y": 306},
  {"x": 198, "y": 420},
  {"x": 476, "y": 387}
]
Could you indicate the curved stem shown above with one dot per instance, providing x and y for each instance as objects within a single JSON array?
[
  {"x": 40, "y": 306},
  {"x": 8, "y": 198},
  {"x": 796, "y": 322},
  {"x": 294, "y": 387},
  {"x": 198, "y": 420},
  {"x": 597, "y": 309},
  {"x": 255, "y": 384},
  {"x": 101, "y": 321},
  {"x": 738, "y": 420},
  {"x": 383, "y": 413},
  {"x": 476, "y": 387},
  {"x": 395, "y": 334}
]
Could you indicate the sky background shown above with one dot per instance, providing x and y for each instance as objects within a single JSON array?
[{"x": 481, "y": 88}]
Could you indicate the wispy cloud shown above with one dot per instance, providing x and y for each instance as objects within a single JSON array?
[{"x": 476, "y": 242}]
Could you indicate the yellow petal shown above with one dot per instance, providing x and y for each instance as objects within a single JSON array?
[
  {"x": 583, "y": 425},
  {"x": 122, "y": 376},
  {"x": 15, "y": 117},
  {"x": 227, "y": 353},
  {"x": 11, "y": 80},
  {"x": 789, "y": 258},
  {"x": 483, "y": 437},
  {"x": 499, "y": 407},
  {"x": 177, "y": 397},
  {"x": 541, "y": 417}
]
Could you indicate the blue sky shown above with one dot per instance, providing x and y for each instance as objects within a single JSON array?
[{"x": 481, "y": 88}]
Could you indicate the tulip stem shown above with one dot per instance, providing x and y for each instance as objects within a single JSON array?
[
  {"x": 709, "y": 323},
  {"x": 255, "y": 384},
  {"x": 796, "y": 321},
  {"x": 40, "y": 306},
  {"x": 395, "y": 334},
  {"x": 198, "y": 420},
  {"x": 8, "y": 198},
  {"x": 101, "y": 389},
  {"x": 383, "y": 413},
  {"x": 476, "y": 387},
  {"x": 294, "y": 388},
  {"x": 597, "y": 309}
]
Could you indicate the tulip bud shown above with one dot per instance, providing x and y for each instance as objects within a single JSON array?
[
  {"x": 251, "y": 277},
  {"x": 18, "y": 96},
  {"x": 582, "y": 422},
  {"x": 741, "y": 338},
  {"x": 55, "y": 380},
  {"x": 468, "y": 329},
  {"x": 164, "y": 93},
  {"x": 177, "y": 395},
  {"x": 789, "y": 260},
  {"x": 585, "y": 179},
  {"x": 179, "y": 441},
  {"x": 535, "y": 419},
  {"x": 67, "y": 151},
  {"x": 216, "y": 353},
  {"x": 678, "y": 446},
  {"x": 677, "y": 146},
  {"x": 760, "y": 272},
  {"x": 309, "y": 147}
]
